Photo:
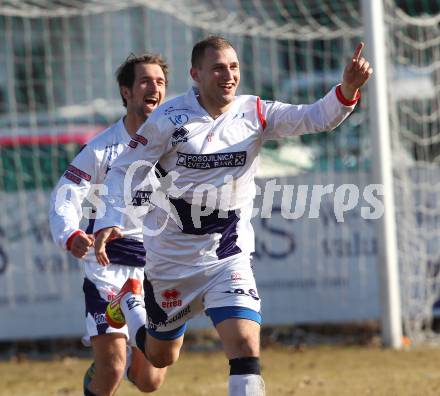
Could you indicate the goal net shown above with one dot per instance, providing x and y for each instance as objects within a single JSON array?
[
  {"x": 315, "y": 260},
  {"x": 414, "y": 49}
]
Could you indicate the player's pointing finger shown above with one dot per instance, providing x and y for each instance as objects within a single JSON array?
[{"x": 358, "y": 50}]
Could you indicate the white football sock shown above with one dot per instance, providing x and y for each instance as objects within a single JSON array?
[
  {"x": 246, "y": 385},
  {"x": 132, "y": 306}
]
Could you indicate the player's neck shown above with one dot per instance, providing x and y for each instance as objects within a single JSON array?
[
  {"x": 213, "y": 109},
  {"x": 132, "y": 123}
]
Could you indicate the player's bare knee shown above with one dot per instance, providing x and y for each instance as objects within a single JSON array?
[
  {"x": 113, "y": 371},
  {"x": 163, "y": 361},
  {"x": 146, "y": 378},
  {"x": 246, "y": 346},
  {"x": 149, "y": 387},
  {"x": 164, "y": 358},
  {"x": 150, "y": 384}
]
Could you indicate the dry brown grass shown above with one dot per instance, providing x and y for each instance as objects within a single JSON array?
[{"x": 309, "y": 371}]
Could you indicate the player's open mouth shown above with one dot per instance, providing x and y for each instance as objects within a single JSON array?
[
  {"x": 227, "y": 87},
  {"x": 151, "y": 101}
]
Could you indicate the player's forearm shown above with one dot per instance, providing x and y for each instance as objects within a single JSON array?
[
  {"x": 334, "y": 112},
  {"x": 61, "y": 231},
  {"x": 64, "y": 217},
  {"x": 62, "y": 227},
  {"x": 323, "y": 115}
]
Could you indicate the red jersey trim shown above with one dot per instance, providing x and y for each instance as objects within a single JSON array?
[{"x": 260, "y": 114}]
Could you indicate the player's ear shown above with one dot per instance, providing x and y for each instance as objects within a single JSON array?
[
  {"x": 125, "y": 92},
  {"x": 194, "y": 74}
]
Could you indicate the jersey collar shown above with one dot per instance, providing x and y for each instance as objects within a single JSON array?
[
  {"x": 192, "y": 101},
  {"x": 124, "y": 133}
]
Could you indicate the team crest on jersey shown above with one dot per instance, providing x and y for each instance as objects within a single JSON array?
[
  {"x": 179, "y": 119},
  {"x": 180, "y": 135},
  {"x": 209, "y": 161}
]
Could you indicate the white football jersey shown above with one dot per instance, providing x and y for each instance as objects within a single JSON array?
[
  {"x": 78, "y": 183},
  {"x": 210, "y": 166}
]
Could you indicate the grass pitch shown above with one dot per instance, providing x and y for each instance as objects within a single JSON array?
[{"x": 308, "y": 371}]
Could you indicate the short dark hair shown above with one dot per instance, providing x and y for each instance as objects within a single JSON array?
[
  {"x": 216, "y": 42},
  {"x": 125, "y": 74}
]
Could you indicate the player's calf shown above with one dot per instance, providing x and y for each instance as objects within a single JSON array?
[{"x": 88, "y": 376}]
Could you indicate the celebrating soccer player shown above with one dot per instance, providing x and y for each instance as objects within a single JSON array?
[
  {"x": 206, "y": 144},
  {"x": 142, "y": 82}
]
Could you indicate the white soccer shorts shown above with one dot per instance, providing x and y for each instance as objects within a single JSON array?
[
  {"x": 171, "y": 298},
  {"x": 101, "y": 284}
]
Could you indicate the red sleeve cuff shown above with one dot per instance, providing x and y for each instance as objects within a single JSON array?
[
  {"x": 344, "y": 100},
  {"x": 70, "y": 239}
]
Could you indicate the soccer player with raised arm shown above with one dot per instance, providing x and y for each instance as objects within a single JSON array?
[
  {"x": 142, "y": 83},
  {"x": 199, "y": 236}
]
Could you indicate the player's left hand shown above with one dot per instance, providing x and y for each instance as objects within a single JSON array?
[
  {"x": 101, "y": 238},
  {"x": 356, "y": 74}
]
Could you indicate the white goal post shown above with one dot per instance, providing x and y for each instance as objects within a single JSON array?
[{"x": 375, "y": 38}]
